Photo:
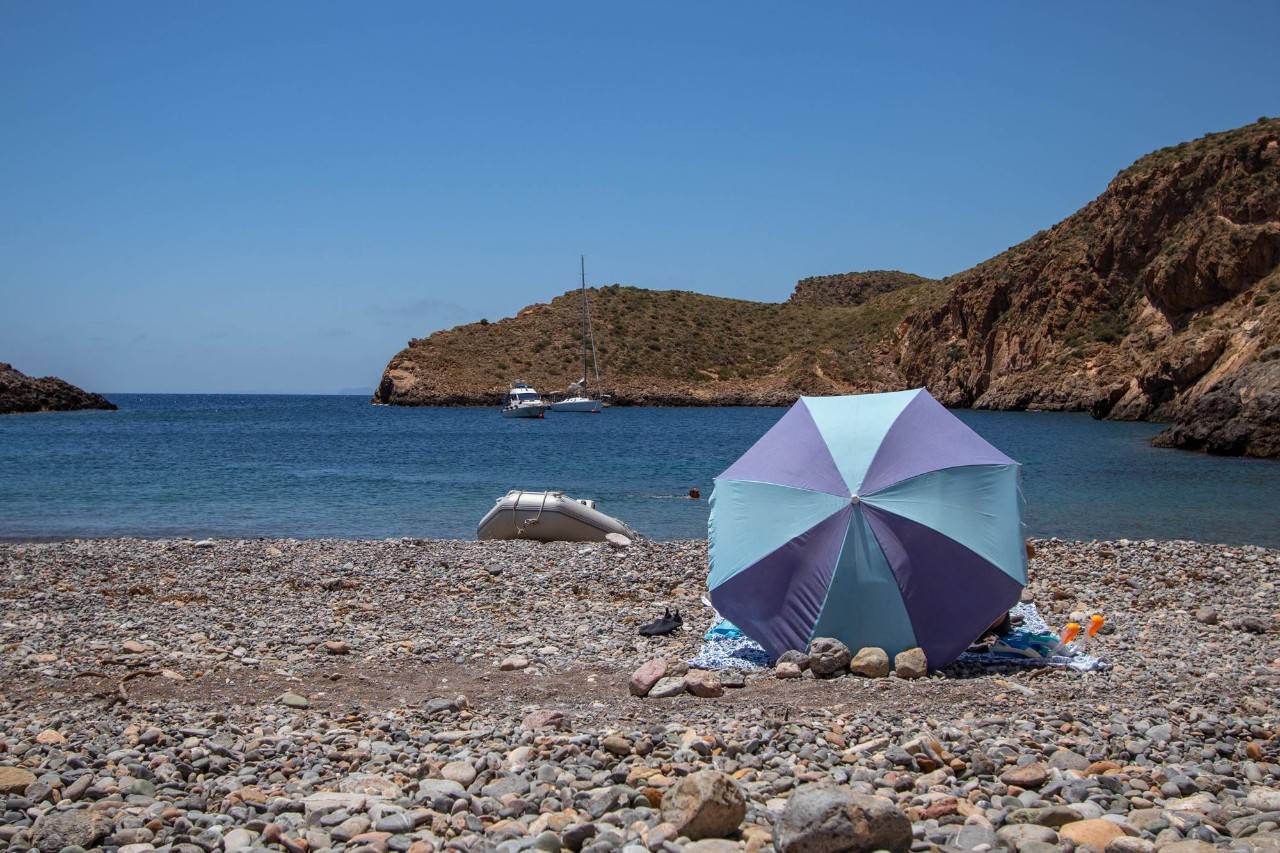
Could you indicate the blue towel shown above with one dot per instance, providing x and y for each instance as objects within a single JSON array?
[{"x": 724, "y": 630}]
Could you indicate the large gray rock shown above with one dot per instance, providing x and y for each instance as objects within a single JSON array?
[
  {"x": 1129, "y": 844},
  {"x": 1263, "y": 799},
  {"x": 14, "y": 780},
  {"x": 503, "y": 785},
  {"x": 974, "y": 835},
  {"x": 1065, "y": 759},
  {"x": 461, "y": 772},
  {"x": 55, "y": 830},
  {"x": 449, "y": 789},
  {"x": 545, "y": 718},
  {"x": 911, "y": 664},
  {"x": 1017, "y": 835},
  {"x": 294, "y": 700},
  {"x": 704, "y": 683},
  {"x": 350, "y": 828},
  {"x": 799, "y": 658},
  {"x": 1028, "y": 777},
  {"x": 369, "y": 784},
  {"x": 1051, "y": 816},
  {"x": 1207, "y": 615},
  {"x": 234, "y": 841},
  {"x": 709, "y": 845},
  {"x": 1254, "y": 625},
  {"x": 787, "y": 669},
  {"x": 705, "y": 804},
  {"x": 828, "y": 656},
  {"x": 667, "y": 687},
  {"x": 825, "y": 818},
  {"x": 870, "y": 662}
]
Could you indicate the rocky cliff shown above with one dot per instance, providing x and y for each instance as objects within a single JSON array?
[
  {"x": 664, "y": 348},
  {"x": 851, "y": 288},
  {"x": 22, "y": 393},
  {"x": 1158, "y": 300}
]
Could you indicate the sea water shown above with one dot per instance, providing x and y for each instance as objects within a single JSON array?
[{"x": 309, "y": 466}]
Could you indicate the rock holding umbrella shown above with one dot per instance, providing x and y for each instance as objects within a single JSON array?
[{"x": 877, "y": 519}]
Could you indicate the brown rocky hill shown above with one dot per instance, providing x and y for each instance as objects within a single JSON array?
[
  {"x": 664, "y": 348},
  {"x": 1158, "y": 300},
  {"x": 22, "y": 393},
  {"x": 851, "y": 288}
]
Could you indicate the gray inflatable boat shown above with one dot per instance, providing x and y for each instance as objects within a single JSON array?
[{"x": 548, "y": 517}]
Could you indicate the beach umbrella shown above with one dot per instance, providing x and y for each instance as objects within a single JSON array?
[{"x": 877, "y": 519}]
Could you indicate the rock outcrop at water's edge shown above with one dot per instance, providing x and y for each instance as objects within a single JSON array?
[
  {"x": 1238, "y": 415},
  {"x": 1159, "y": 300},
  {"x": 22, "y": 393}
]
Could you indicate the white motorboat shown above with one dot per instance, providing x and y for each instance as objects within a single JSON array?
[
  {"x": 524, "y": 402},
  {"x": 548, "y": 517},
  {"x": 578, "y": 398}
]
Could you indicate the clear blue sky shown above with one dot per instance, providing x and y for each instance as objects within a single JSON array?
[{"x": 246, "y": 196}]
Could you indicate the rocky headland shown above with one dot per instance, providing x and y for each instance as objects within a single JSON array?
[
  {"x": 22, "y": 393},
  {"x": 665, "y": 348},
  {"x": 1159, "y": 300},
  {"x": 419, "y": 695}
]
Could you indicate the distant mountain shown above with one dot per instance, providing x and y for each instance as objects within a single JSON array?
[
  {"x": 22, "y": 393},
  {"x": 1159, "y": 300}
]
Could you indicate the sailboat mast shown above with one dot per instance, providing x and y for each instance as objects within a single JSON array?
[
  {"x": 595, "y": 362},
  {"x": 591, "y": 335},
  {"x": 582, "y": 260}
]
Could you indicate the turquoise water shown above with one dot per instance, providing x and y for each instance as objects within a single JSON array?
[{"x": 168, "y": 465}]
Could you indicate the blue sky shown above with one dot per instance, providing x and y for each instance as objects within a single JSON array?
[{"x": 273, "y": 197}]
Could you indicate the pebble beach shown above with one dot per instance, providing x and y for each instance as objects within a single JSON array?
[{"x": 418, "y": 695}]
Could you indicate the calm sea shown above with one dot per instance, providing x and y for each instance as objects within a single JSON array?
[{"x": 170, "y": 465}]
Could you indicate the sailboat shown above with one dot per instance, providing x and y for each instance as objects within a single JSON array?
[{"x": 579, "y": 398}]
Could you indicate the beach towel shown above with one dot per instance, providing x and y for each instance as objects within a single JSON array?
[
  {"x": 724, "y": 646},
  {"x": 1032, "y": 644}
]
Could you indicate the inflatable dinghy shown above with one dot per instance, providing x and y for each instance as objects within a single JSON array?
[{"x": 548, "y": 517}]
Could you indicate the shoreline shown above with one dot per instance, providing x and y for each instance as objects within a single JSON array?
[
  {"x": 421, "y": 541},
  {"x": 250, "y": 690},
  {"x": 768, "y": 400}
]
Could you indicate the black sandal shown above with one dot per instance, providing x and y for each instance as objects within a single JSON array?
[{"x": 665, "y": 625}]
